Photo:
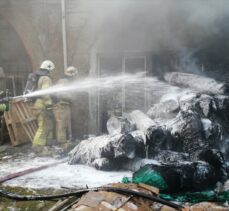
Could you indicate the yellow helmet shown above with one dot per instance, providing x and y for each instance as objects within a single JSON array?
[{"x": 71, "y": 71}]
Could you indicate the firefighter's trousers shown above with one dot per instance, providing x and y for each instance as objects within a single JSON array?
[
  {"x": 62, "y": 113},
  {"x": 44, "y": 133}
]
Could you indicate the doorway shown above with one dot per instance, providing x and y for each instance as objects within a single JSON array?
[{"x": 123, "y": 99}]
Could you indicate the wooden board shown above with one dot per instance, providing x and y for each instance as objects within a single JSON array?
[{"x": 20, "y": 122}]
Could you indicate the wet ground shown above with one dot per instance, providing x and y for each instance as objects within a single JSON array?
[
  {"x": 54, "y": 180},
  {"x": 48, "y": 181}
]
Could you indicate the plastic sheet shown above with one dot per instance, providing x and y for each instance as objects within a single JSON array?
[
  {"x": 147, "y": 176},
  {"x": 195, "y": 197},
  {"x": 176, "y": 176}
]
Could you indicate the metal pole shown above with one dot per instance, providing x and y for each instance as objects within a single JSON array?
[
  {"x": 99, "y": 114},
  {"x": 123, "y": 85},
  {"x": 145, "y": 88},
  {"x": 64, "y": 32}
]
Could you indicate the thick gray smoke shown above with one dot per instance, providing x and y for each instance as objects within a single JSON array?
[{"x": 155, "y": 25}]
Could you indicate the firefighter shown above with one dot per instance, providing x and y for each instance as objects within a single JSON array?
[
  {"x": 62, "y": 109},
  {"x": 43, "y": 106}
]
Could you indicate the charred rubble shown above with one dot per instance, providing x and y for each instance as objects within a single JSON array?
[
  {"x": 104, "y": 152},
  {"x": 184, "y": 138}
]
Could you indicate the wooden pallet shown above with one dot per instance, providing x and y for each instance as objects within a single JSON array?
[{"x": 20, "y": 122}]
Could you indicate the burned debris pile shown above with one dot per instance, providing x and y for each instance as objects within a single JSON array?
[
  {"x": 104, "y": 152},
  {"x": 197, "y": 82},
  {"x": 182, "y": 138},
  {"x": 179, "y": 176}
]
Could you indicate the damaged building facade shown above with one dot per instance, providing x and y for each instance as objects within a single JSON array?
[
  {"x": 110, "y": 37},
  {"x": 150, "y": 104}
]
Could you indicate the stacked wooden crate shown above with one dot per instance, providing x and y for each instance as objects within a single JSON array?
[{"x": 20, "y": 122}]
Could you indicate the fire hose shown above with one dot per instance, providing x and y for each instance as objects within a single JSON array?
[
  {"x": 80, "y": 192},
  {"x": 30, "y": 170}
]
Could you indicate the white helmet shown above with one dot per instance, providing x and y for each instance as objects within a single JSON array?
[
  {"x": 47, "y": 65},
  {"x": 71, "y": 71}
]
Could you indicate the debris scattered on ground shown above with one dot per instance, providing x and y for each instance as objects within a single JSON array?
[{"x": 103, "y": 151}]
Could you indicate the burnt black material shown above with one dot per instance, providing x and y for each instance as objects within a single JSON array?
[
  {"x": 215, "y": 158},
  {"x": 171, "y": 156},
  {"x": 157, "y": 138},
  {"x": 187, "y": 176},
  {"x": 113, "y": 148},
  {"x": 187, "y": 129}
]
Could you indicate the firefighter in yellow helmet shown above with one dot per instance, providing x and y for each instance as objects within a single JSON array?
[
  {"x": 62, "y": 109},
  {"x": 43, "y": 106}
]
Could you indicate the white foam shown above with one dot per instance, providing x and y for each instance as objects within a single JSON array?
[{"x": 58, "y": 176}]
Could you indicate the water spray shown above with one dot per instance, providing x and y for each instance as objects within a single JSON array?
[
  {"x": 135, "y": 85},
  {"x": 137, "y": 82}
]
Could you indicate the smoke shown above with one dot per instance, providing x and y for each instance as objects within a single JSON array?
[
  {"x": 187, "y": 62},
  {"x": 153, "y": 25},
  {"x": 174, "y": 23}
]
